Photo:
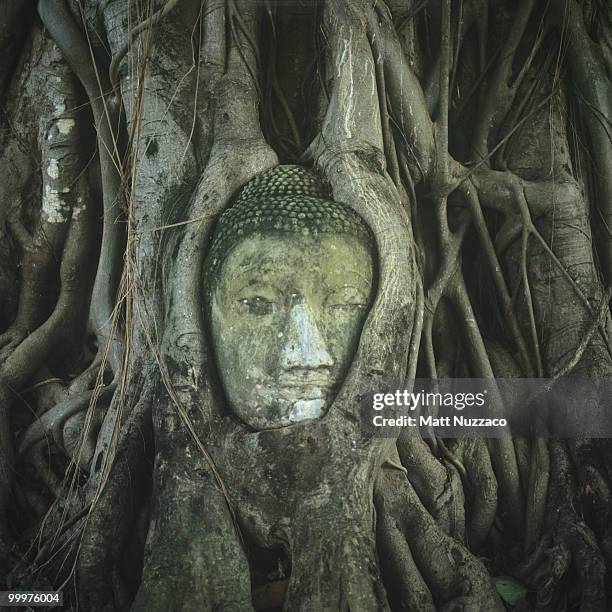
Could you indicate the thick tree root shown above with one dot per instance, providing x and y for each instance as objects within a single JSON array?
[
  {"x": 194, "y": 560},
  {"x": 406, "y": 587},
  {"x": 456, "y": 579},
  {"x": 383, "y": 137},
  {"x": 437, "y": 485},
  {"x": 115, "y": 510}
]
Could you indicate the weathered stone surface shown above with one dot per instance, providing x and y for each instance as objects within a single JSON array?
[{"x": 288, "y": 300}]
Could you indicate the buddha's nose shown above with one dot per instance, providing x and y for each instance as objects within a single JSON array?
[{"x": 304, "y": 345}]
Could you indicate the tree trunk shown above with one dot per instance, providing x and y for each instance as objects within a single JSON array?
[{"x": 473, "y": 139}]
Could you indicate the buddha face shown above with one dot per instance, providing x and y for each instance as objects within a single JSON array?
[{"x": 286, "y": 316}]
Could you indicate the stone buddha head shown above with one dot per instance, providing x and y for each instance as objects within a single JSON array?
[{"x": 289, "y": 280}]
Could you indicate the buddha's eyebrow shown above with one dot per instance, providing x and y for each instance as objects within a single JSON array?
[
  {"x": 364, "y": 279},
  {"x": 258, "y": 281},
  {"x": 256, "y": 267},
  {"x": 255, "y": 275}
]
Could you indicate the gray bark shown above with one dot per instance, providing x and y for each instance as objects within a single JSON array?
[{"x": 129, "y": 127}]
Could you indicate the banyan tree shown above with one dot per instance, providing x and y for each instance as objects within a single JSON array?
[{"x": 224, "y": 223}]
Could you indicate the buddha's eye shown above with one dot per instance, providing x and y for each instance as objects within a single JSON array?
[
  {"x": 258, "y": 305},
  {"x": 350, "y": 306},
  {"x": 347, "y": 299}
]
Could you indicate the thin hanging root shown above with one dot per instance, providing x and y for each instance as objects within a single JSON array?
[
  {"x": 500, "y": 93},
  {"x": 588, "y": 336},
  {"x": 528, "y": 228},
  {"x": 442, "y": 157},
  {"x": 471, "y": 196},
  {"x": 458, "y": 40},
  {"x": 149, "y": 22},
  {"x": 503, "y": 455},
  {"x": 35, "y": 500},
  {"x": 428, "y": 347},
  {"x": 296, "y": 140},
  {"x": 417, "y": 328},
  {"x": 535, "y": 344},
  {"x": 534, "y": 231},
  {"x": 524, "y": 209}
]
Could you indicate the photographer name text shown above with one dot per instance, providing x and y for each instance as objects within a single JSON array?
[{"x": 411, "y": 401}]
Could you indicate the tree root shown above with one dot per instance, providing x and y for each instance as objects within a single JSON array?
[
  {"x": 191, "y": 533},
  {"x": 115, "y": 509},
  {"x": 194, "y": 556},
  {"x": 53, "y": 421},
  {"x": 10, "y": 340},
  {"x": 481, "y": 489},
  {"x": 437, "y": 484},
  {"x": 572, "y": 540},
  {"x": 406, "y": 587},
  {"x": 456, "y": 579},
  {"x": 107, "y": 113}
]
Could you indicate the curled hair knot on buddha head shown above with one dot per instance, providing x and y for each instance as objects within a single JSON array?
[{"x": 284, "y": 199}]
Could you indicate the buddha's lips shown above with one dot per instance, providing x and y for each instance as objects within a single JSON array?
[
  {"x": 303, "y": 392},
  {"x": 304, "y": 385},
  {"x": 305, "y": 380},
  {"x": 320, "y": 376}
]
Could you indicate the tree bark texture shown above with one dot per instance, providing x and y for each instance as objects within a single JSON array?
[{"x": 472, "y": 136}]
